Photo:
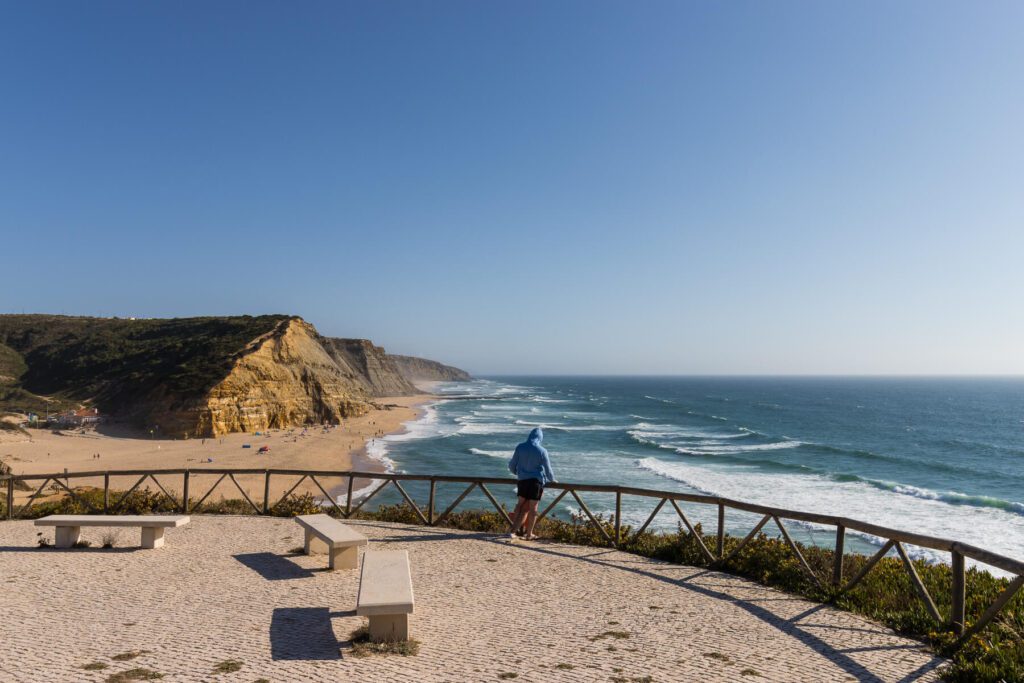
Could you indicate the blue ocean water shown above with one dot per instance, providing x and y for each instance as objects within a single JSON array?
[{"x": 938, "y": 456}]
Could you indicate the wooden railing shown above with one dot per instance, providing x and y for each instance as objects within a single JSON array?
[{"x": 894, "y": 538}]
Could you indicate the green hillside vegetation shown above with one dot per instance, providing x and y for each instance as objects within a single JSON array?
[{"x": 113, "y": 362}]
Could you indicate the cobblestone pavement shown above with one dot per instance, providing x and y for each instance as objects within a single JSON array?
[{"x": 228, "y": 588}]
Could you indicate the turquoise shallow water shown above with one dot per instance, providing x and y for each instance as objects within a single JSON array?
[{"x": 937, "y": 456}]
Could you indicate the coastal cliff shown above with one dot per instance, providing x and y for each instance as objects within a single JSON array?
[
  {"x": 369, "y": 366},
  {"x": 195, "y": 376},
  {"x": 420, "y": 370},
  {"x": 282, "y": 379}
]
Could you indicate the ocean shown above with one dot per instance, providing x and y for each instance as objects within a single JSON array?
[{"x": 938, "y": 456}]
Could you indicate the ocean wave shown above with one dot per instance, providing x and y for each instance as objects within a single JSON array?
[
  {"x": 747, "y": 448},
  {"x": 999, "y": 523},
  {"x": 894, "y": 459},
  {"x": 584, "y": 428},
  {"x": 654, "y": 429},
  {"x": 981, "y": 446},
  {"x": 707, "y": 416},
  {"x": 376, "y": 449},
  {"x": 485, "y": 428},
  {"x": 490, "y": 454},
  {"x": 951, "y": 497}
]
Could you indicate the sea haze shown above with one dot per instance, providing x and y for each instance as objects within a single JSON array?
[{"x": 936, "y": 456}]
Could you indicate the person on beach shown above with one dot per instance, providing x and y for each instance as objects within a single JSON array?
[{"x": 532, "y": 467}]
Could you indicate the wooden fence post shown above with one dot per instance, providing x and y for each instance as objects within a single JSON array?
[
  {"x": 618, "y": 516},
  {"x": 348, "y": 498},
  {"x": 106, "y": 492},
  {"x": 430, "y": 503},
  {"x": 266, "y": 494},
  {"x": 720, "y": 545},
  {"x": 837, "y": 560},
  {"x": 959, "y": 593},
  {"x": 184, "y": 495}
]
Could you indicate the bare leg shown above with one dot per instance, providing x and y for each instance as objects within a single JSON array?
[
  {"x": 520, "y": 515},
  {"x": 531, "y": 516}
]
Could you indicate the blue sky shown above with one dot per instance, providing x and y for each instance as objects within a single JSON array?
[{"x": 531, "y": 187}]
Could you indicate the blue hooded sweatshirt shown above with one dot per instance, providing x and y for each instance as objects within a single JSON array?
[{"x": 530, "y": 461}]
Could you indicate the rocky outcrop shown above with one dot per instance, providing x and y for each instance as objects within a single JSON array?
[
  {"x": 283, "y": 379},
  {"x": 423, "y": 370},
  {"x": 369, "y": 366}
]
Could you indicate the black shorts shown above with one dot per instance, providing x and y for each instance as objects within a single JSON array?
[{"x": 530, "y": 489}]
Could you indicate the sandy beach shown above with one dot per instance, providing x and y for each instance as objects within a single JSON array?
[{"x": 337, "y": 448}]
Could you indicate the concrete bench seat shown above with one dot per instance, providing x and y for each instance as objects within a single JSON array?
[
  {"x": 326, "y": 534},
  {"x": 385, "y": 594},
  {"x": 68, "y": 528}
]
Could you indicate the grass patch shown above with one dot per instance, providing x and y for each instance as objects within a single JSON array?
[
  {"x": 81, "y": 544},
  {"x": 716, "y": 655},
  {"x": 362, "y": 646},
  {"x": 131, "y": 654},
  {"x": 565, "y": 667},
  {"x": 95, "y": 666},
  {"x": 134, "y": 675},
  {"x": 750, "y": 672},
  {"x": 618, "y": 635},
  {"x": 227, "y": 666},
  {"x": 506, "y": 675}
]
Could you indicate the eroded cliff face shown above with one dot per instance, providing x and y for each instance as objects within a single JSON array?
[
  {"x": 201, "y": 376},
  {"x": 420, "y": 369},
  {"x": 283, "y": 379},
  {"x": 369, "y": 366}
]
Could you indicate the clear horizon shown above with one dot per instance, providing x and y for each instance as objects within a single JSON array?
[{"x": 672, "y": 189}]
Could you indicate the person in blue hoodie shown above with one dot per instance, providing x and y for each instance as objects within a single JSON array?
[{"x": 532, "y": 467}]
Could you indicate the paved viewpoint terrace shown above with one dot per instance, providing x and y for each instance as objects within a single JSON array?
[{"x": 229, "y": 588}]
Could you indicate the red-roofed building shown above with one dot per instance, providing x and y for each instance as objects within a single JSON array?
[{"x": 82, "y": 416}]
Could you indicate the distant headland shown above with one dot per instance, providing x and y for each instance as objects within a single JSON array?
[{"x": 199, "y": 377}]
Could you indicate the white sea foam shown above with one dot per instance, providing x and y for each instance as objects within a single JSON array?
[
  {"x": 667, "y": 430},
  {"x": 490, "y": 428},
  {"x": 491, "y": 454},
  {"x": 748, "y": 448},
  {"x": 860, "y": 500}
]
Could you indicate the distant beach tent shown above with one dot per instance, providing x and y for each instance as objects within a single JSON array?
[{"x": 246, "y": 445}]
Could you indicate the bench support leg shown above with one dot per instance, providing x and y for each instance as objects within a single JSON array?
[
  {"x": 389, "y": 627},
  {"x": 67, "y": 536},
  {"x": 152, "y": 537},
  {"x": 344, "y": 558},
  {"x": 313, "y": 545}
]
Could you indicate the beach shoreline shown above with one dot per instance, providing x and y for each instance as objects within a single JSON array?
[{"x": 114, "y": 447}]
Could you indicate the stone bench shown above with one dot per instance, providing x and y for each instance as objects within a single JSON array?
[
  {"x": 385, "y": 594},
  {"x": 68, "y": 528},
  {"x": 326, "y": 534}
]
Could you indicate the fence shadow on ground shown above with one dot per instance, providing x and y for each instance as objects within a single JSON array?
[{"x": 790, "y": 627}]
